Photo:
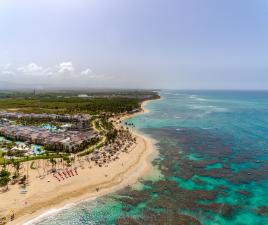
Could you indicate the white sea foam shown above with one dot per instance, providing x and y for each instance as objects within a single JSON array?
[
  {"x": 196, "y": 106},
  {"x": 201, "y": 99},
  {"x": 192, "y": 96},
  {"x": 217, "y": 109},
  {"x": 54, "y": 211},
  {"x": 47, "y": 214},
  {"x": 208, "y": 108},
  {"x": 195, "y": 97}
]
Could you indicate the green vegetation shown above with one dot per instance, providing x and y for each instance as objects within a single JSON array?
[
  {"x": 100, "y": 104},
  {"x": 7, "y": 145},
  {"x": 37, "y": 122},
  {"x": 4, "y": 178},
  {"x": 30, "y": 158},
  {"x": 32, "y": 166},
  {"x": 138, "y": 94},
  {"x": 87, "y": 152},
  {"x": 100, "y": 141},
  {"x": 103, "y": 108},
  {"x": 69, "y": 103}
]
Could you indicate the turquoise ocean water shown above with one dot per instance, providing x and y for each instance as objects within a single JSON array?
[{"x": 213, "y": 160}]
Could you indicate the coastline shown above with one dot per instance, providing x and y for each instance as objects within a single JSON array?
[{"x": 53, "y": 196}]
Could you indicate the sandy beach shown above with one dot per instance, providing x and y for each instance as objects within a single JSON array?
[{"x": 91, "y": 182}]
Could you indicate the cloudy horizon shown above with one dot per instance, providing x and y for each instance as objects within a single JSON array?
[
  {"x": 63, "y": 75},
  {"x": 176, "y": 44}
]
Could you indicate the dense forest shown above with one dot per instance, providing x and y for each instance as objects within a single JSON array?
[{"x": 74, "y": 102}]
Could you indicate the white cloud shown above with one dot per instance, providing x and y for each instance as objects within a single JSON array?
[
  {"x": 87, "y": 71},
  {"x": 34, "y": 67},
  {"x": 30, "y": 68},
  {"x": 62, "y": 74},
  {"x": 89, "y": 74},
  {"x": 50, "y": 73},
  {"x": 8, "y": 72},
  {"x": 4, "y": 67},
  {"x": 66, "y": 67}
]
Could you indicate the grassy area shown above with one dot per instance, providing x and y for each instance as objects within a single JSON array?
[
  {"x": 1, "y": 157},
  {"x": 31, "y": 158},
  {"x": 87, "y": 152}
]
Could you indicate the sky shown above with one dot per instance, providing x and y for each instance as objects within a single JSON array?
[{"x": 175, "y": 44}]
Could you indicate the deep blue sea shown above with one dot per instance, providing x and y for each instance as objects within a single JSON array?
[{"x": 213, "y": 160}]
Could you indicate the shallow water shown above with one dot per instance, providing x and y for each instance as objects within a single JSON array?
[{"x": 213, "y": 160}]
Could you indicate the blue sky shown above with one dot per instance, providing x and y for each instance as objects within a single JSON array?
[{"x": 188, "y": 44}]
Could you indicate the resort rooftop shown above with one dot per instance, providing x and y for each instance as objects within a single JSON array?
[{"x": 72, "y": 138}]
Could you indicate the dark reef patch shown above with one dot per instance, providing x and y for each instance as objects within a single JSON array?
[
  {"x": 166, "y": 201},
  {"x": 153, "y": 218},
  {"x": 262, "y": 211}
]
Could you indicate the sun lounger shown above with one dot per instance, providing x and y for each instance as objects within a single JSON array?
[
  {"x": 68, "y": 173},
  {"x": 75, "y": 170},
  {"x": 72, "y": 172},
  {"x": 61, "y": 175},
  {"x": 65, "y": 175},
  {"x": 56, "y": 177}
]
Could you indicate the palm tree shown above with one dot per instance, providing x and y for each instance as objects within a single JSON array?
[
  {"x": 4, "y": 178},
  {"x": 23, "y": 180},
  {"x": 3, "y": 155},
  {"x": 38, "y": 168},
  {"x": 16, "y": 165},
  {"x": 53, "y": 163},
  {"x": 27, "y": 167},
  {"x": 44, "y": 167}
]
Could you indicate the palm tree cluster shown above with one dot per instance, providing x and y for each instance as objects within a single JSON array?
[
  {"x": 111, "y": 151},
  {"x": 4, "y": 178}
]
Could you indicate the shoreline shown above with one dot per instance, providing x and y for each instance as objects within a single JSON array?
[{"x": 116, "y": 178}]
